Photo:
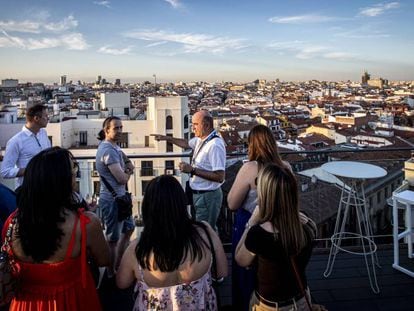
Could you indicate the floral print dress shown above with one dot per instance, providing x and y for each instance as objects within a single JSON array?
[{"x": 196, "y": 295}]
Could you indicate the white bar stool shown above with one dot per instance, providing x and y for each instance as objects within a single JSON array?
[{"x": 403, "y": 200}]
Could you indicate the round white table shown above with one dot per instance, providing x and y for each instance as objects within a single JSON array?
[{"x": 353, "y": 174}]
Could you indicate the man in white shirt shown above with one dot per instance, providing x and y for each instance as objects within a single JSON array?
[
  {"x": 207, "y": 168},
  {"x": 23, "y": 146}
]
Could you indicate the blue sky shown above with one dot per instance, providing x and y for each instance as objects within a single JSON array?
[{"x": 183, "y": 40}]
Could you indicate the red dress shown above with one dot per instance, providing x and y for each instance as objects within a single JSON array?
[{"x": 65, "y": 285}]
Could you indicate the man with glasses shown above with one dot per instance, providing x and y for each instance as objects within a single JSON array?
[{"x": 23, "y": 146}]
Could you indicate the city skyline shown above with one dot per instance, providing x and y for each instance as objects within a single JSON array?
[{"x": 182, "y": 40}]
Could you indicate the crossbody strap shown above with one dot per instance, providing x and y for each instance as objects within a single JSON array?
[
  {"x": 201, "y": 147},
  {"x": 213, "y": 253},
  {"x": 109, "y": 187},
  {"x": 299, "y": 281}
]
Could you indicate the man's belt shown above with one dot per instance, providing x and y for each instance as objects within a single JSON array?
[{"x": 201, "y": 191}]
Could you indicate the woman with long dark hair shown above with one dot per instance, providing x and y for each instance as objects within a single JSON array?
[
  {"x": 242, "y": 199},
  {"x": 171, "y": 260},
  {"x": 280, "y": 238},
  {"x": 51, "y": 238}
]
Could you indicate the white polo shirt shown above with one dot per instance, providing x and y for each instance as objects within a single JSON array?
[
  {"x": 212, "y": 157},
  {"x": 20, "y": 149}
]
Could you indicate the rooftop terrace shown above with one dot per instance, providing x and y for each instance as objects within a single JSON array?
[{"x": 348, "y": 286}]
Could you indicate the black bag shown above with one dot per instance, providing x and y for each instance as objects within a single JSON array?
[{"x": 124, "y": 204}]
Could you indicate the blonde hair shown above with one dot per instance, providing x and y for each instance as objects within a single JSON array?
[{"x": 278, "y": 204}]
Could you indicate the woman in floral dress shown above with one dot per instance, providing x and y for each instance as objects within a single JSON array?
[{"x": 172, "y": 259}]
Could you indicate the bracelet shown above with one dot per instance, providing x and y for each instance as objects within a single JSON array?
[
  {"x": 193, "y": 171},
  {"x": 247, "y": 226}
]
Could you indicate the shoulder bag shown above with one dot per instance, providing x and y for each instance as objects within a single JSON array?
[{"x": 123, "y": 202}]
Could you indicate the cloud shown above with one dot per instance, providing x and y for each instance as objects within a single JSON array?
[
  {"x": 339, "y": 55},
  {"x": 191, "y": 43},
  {"x": 67, "y": 23},
  {"x": 103, "y": 3},
  {"x": 363, "y": 32},
  {"x": 378, "y": 9},
  {"x": 301, "y": 19},
  {"x": 70, "y": 41},
  {"x": 174, "y": 3},
  {"x": 108, "y": 50},
  {"x": 305, "y": 50},
  {"x": 28, "y": 26},
  {"x": 24, "y": 26},
  {"x": 156, "y": 44}
]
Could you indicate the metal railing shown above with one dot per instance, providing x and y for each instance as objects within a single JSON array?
[{"x": 314, "y": 195}]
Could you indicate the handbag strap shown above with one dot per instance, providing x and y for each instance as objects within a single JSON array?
[
  {"x": 194, "y": 156},
  {"x": 213, "y": 253},
  {"x": 6, "y": 245},
  {"x": 109, "y": 187},
  {"x": 299, "y": 281}
]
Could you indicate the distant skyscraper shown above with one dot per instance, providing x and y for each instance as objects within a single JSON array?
[
  {"x": 98, "y": 81},
  {"x": 62, "y": 80},
  {"x": 365, "y": 77},
  {"x": 118, "y": 82}
]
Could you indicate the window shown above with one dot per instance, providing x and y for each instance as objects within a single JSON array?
[
  {"x": 169, "y": 145},
  {"x": 146, "y": 168},
  {"x": 96, "y": 187},
  {"x": 123, "y": 142},
  {"x": 186, "y": 121},
  {"x": 169, "y": 167},
  {"x": 83, "y": 138},
  {"x": 169, "y": 123},
  {"x": 144, "y": 184},
  {"x": 146, "y": 141}
]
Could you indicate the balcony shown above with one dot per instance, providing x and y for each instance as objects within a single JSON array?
[{"x": 347, "y": 288}]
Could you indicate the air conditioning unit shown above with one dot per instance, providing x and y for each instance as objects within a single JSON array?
[
  {"x": 94, "y": 174},
  {"x": 169, "y": 172}
]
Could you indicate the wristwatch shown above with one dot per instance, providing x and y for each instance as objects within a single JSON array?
[{"x": 193, "y": 172}]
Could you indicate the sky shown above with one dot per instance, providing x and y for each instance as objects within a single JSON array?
[{"x": 200, "y": 40}]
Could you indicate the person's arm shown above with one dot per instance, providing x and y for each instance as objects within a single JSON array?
[
  {"x": 8, "y": 166},
  {"x": 180, "y": 142},
  {"x": 129, "y": 166},
  {"x": 243, "y": 256},
  {"x": 242, "y": 184},
  {"x": 96, "y": 242},
  {"x": 126, "y": 275},
  {"x": 217, "y": 176},
  {"x": 221, "y": 259},
  {"x": 120, "y": 176}
]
